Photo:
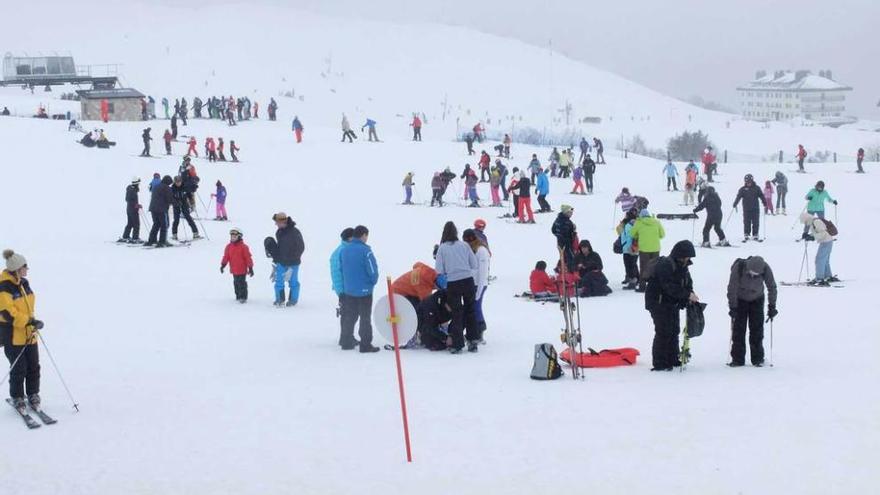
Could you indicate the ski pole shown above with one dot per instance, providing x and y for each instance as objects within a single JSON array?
[
  {"x": 798, "y": 219},
  {"x": 835, "y": 214},
  {"x": 207, "y": 212},
  {"x": 770, "y": 319},
  {"x": 613, "y": 215},
  {"x": 729, "y": 216},
  {"x": 694, "y": 229},
  {"x": 144, "y": 219},
  {"x": 11, "y": 367},
  {"x": 202, "y": 225},
  {"x": 58, "y": 371},
  {"x": 210, "y": 202},
  {"x": 765, "y": 223}
]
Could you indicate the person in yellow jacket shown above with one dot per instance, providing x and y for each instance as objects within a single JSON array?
[
  {"x": 18, "y": 330},
  {"x": 647, "y": 232}
]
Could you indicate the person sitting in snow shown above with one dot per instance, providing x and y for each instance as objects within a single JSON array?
[
  {"x": 541, "y": 285},
  {"x": 589, "y": 266}
]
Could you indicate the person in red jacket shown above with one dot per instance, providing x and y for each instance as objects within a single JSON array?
[
  {"x": 192, "y": 147},
  {"x": 105, "y": 110},
  {"x": 478, "y": 132},
  {"x": 417, "y": 128},
  {"x": 168, "y": 138},
  {"x": 485, "y": 163},
  {"x": 709, "y": 163},
  {"x": 211, "y": 149},
  {"x": 801, "y": 155},
  {"x": 238, "y": 256},
  {"x": 541, "y": 284}
]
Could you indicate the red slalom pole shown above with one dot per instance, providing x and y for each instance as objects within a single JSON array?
[{"x": 394, "y": 320}]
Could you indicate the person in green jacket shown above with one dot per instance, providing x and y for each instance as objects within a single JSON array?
[
  {"x": 647, "y": 231},
  {"x": 817, "y": 197}
]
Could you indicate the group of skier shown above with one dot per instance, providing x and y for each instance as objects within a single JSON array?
[{"x": 228, "y": 109}]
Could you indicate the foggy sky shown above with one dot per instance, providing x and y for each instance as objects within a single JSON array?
[{"x": 678, "y": 47}]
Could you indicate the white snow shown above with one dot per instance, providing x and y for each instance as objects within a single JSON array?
[{"x": 182, "y": 390}]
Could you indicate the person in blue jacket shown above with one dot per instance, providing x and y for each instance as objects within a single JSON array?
[
  {"x": 371, "y": 125},
  {"x": 543, "y": 189},
  {"x": 336, "y": 268},
  {"x": 288, "y": 256},
  {"x": 297, "y": 129},
  {"x": 359, "y": 275},
  {"x": 671, "y": 173}
]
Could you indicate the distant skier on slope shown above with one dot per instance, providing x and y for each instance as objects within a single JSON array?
[
  {"x": 589, "y": 168},
  {"x": 781, "y": 182},
  {"x": 146, "y": 137},
  {"x": 297, "y": 128},
  {"x": 417, "y": 127},
  {"x": 671, "y": 173},
  {"x": 407, "y": 187},
  {"x": 132, "y": 231},
  {"x": 600, "y": 151},
  {"x": 370, "y": 124},
  {"x": 712, "y": 204},
  {"x": 801, "y": 155},
  {"x": 346, "y": 130},
  {"x": 192, "y": 147},
  {"x": 860, "y": 157}
]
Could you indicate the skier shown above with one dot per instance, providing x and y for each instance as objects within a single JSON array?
[
  {"x": 192, "y": 147},
  {"x": 417, "y": 127},
  {"x": 131, "y": 233},
  {"x": 600, "y": 151},
  {"x": 407, "y": 186},
  {"x": 469, "y": 141},
  {"x": 359, "y": 276},
  {"x": 478, "y": 132},
  {"x": 437, "y": 189},
  {"x": 297, "y": 128},
  {"x": 456, "y": 261},
  {"x": 588, "y": 266},
  {"x": 709, "y": 163},
  {"x": 165, "y": 106},
  {"x": 565, "y": 163},
  {"x": 768, "y": 198},
  {"x": 160, "y": 199},
  {"x": 371, "y": 125},
  {"x": 232, "y": 149},
  {"x": 817, "y": 197},
  {"x": 484, "y": 164},
  {"x": 691, "y": 172},
  {"x": 525, "y": 199},
  {"x": 157, "y": 179},
  {"x": 585, "y": 148},
  {"x": 534, "y": 167},
  {"x": 20, "y": 328},
  {"x": 220, "y": 196},
  {"x": 211, "y": 149},
  {"x": 506, "y": 143},
  {"x": 647, "y": 231},
  {"x": 626, "y": 200},
  {"x": 801, "y": 155},
  {"x": 288, "y": 258},
  {"x": 471, "y": 185},
  {"x": 502, "y": 171},
  {"x": 542, "y": 189},
  {"x": 464, "y": 175},
  {"x": 197, "y": 107},
  {"x": 481, "y": 278},
  {"x": 346, "y": 130},
  {"x": 860, "y": 157},
  {"x": 238, "y": 256},
  {"x": 589, "y": 168},
  {"x": 578, "y": 178},
  {"x": 781, "y": 182},
  {"x": 181, "y": 207},
  {"x": 167, "y": 138},
  {"x": 336, "y": 274},
  {"x": 752, "y": 198},
  {"x": 256, "y": 109},
  {"x": 146, "y": 137},
  {"x": 629, "y": 251},
  {"x": 745, "y": 298},
  {"x": 273, "y": 108},
  {"x": 712, "y": 204},
  {"x": 671, "y": 173},
  {"x": 495, "y": 186},
  {"x": 565, "y": 232},
  {"x": 230, "y": 116},
  {"x": 554, "y": 162},
  {"x": 669, "y": 291},
  {"x": 818, "y": 231},
  {"x": 174, "y": 126},
  {"x": 220, "y": 144}
]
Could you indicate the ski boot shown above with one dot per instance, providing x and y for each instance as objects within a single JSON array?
[
  {"x": 833, "y": 278},
  {"x": 34, "y": 401},
  {"x": 196, "y": 235},
  {"x": 19, "y": 404},
  {"x": 123, "y": 240},
  {"x": 735, "y": 364},
  {"x": 473, "y": 346},
  {"x": 136, "y": 240},
  {"x": 455, "y": 350},
  {"x": 291, "y": 304},
  {"x": 173, "y": 237},
  {"x": 706, "y": 244},
  {"x": 723, "y": 243}
]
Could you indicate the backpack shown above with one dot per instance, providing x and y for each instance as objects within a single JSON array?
[
  {"x": 618, "y": 246},
  {"x": 546, "y": 365},
  {"x": 653, "y": 293},
  {"x": 271, "y": 247},
  {"x": 696, "y": 322},
  {"x": 830, "y": 227}
]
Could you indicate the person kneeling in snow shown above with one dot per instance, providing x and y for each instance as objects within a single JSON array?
[
  {"x": 589, "y": 266},
  {"x": 542, "y": 286},
  {"x": 238, "y": 256}
]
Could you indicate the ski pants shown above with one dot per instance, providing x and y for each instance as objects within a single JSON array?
[
  {"x": 600, "y": 157},
  {"x": 472, "y": 194},
  {"x": 504, "y": 190},
  {"x": 688, "y": 197},
  {"x": 542, "y": 201},
  {"x": 859, "y": 164},
  {"x": 417, "y": 133},
  {"x": 167, "y": 147},
  {"x": 496, "y": 195},
  {"x": 178, "y": 212},
  {"x": 578, "y": 186},
  {"x": 133, "y": 227},
  {"x": 751, "y": 314},
  {"x": 647, "y": 262},
  {"x": 713, "y": 223},
  {"x": 408, "y": 190},
  {"x": 515, "y": 205},
  {"x": 160, "y": 228},
  {"x": 589, "y": 180},
  {"x": 356, "y": 310},
  {"x": 437, "y": 196},
  {"x": 221, "y": 210},
  {"x": 221, "y": 156},
  {"x": 525, "y": 206},
  {"x": 192, "y": 151},
  {"x": 371, "y": 135},
  {"x": 478, "y": 311},
  {"x": 212, "y": 155},
  {"x": 781, "y": 192},
  {"x": 820, "y": 214},
  {"x": 670, "y": 182},
  {"x": 631, "y": 266},
  {"x": 800, "y": 164},
  {"x": 289, "y": 274},
  {"x": 484, "y": 171},
  {"x": 823, "y": 260},
  {"x": 460, "y": 299},
  {"x": 239, "y": 284},
  {"x": 299, "y": 135},
  {"x": 26, "y": 372},
  {"x": 666, "y": 329},
  {"x": 146, "y": 151},
  {"x": 751, "y": 222}
]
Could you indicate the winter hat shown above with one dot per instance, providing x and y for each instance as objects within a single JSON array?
[
  {"x": 218, "y": 184},
  {"x": 156, "y": 175},
  {"x": 279, "y": 216},
  {"x": 566, "y": 208},
  {"x": 755, "y": 265},
  {"x": 135, "y": 180},
  {"x": 625, "y": 190},
  {"x": 683, "y": 249},
  {"x": 479, "y": 223},
  {"x": 167, "y": 180},
  {"x": 644, "y": 213},
  {"x": 820, "y": 184},
  {"x": 236, "y": 231},
  {"x": 14, "y": 261}
]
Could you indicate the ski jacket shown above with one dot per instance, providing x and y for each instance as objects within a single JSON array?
[
  {"x": 146, "y": 136},
  {"x": 437, "y": 183},
  {"x": 670, "y": 286},
  {"x": 471, "y": 180},
  {"x": 564, "y": 160},
  {"x": 481, "y": 273},
  {"x": 564, "y": 230},
  {"x": 495, "y": 179},
  {"x": 585, "y": 146},
  {"x": 336, "y": 268},
  {"x": 456, "y": 260},
  {"x": 588, "y": 262},
  {"x": 817, "y": 200},
  {"x": 648, "y": 231},
  {"x": 161, "y": 198},
  {"x": 671, "y": 170},
  {"x": 543, "y": 186},
  {"x": 768, "y": 192},
  {"x": 626, "y": 200},
  {"x": 751, "y": 196},
  {"x": 818, "y": 229},
  {"x": 290, "y": 245},
  {"x": 418, "y": 282},
  {"x": 238, "y": 256},
  {"x": 180, "y": 197},
  {"x": 540, "y": 282},
  {"x": 211, "y": 145},
  {"x": 691, "y": 176},
  {"x": 525, "y": 187},
  {"x": 360, "y": 272},
  {"x": 708, "y": 159},
  {"x": 578, "y": 174},
  {"x": 167, "y": 136},
  {"x": 589, "y": 166},
  {"x": 780, "y": 180},
  {"x": 369, "y": 123},
  {"x": 534, "y": 165},
  {"x": 627, "y": 243},
  {"x": 155, "y": 182},
  {"x": 598, "y": 144},
  {"x": 417, "y": 122},
  {"x": 346, "y": 127},
  {"x": 296, "y": 125},
  {"x": 485, "y": 160},
  {"x": 220, "y": 195},
  {"x": 131, "y": 197},
  {"x": 743, "y": 286},
  {"x": 801, "y": 153},
  {"x": 407, "y": 180},
  {"x": 712, "y": 204},
  {"x": 860, "y": 154},
  {"x": 513, "y": 187},
  {"x": 16, "y": 308}
]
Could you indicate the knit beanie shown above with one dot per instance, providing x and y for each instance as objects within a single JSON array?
[{"x": 14, "y": 261}]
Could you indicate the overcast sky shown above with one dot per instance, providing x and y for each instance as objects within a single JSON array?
[{"x": 678, "y": 47}]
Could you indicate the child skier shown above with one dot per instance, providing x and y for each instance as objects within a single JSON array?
[
  {"x": 768, "y": 198},
  {"x": 220, "y": 196},
  {"x": 495, "y": 186},
  {"x": 471, "y": 183},
  {"x": 167, "y": 138},
  {"x": 690, "y": 182},
  {"x": 238, "y": 256},
  {"x": 211, "y": 149},
  {"x": 232, "y": 149},
  {"x": 578, "y": 177},
  {"x": 220, "y": 156},
  {"x": 192, "y": 147},
  {"x": 407, "y": 186}
]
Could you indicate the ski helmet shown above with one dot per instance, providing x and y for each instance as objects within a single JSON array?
[
  {"x": 820, "y": 184},
  {"x": 135, "y": 180},
  {"x": 235, "y": 231},
  {"x": 479, "y": 223},
  {"x": 749, "y": 178}
]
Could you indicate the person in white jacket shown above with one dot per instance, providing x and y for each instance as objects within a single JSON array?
[
  {"x": 818, "y": 230},
  {"x": 481, "y": 276},
  {"x": 346, "y": 130},
  {"x": 457, "y": 262}
]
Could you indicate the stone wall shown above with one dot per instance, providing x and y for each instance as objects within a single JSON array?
[{"x": 121, "y": 109}]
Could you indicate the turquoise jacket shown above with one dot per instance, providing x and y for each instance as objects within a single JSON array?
[
  {"x": 817, "y": 200},
  {"x": 336, "y": 268}
]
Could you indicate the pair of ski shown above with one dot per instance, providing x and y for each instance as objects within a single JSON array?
[
  {"x": 835, "y": 285},
  {"x": 571, "y": 333},
  {"x": 28, "y": 419}
]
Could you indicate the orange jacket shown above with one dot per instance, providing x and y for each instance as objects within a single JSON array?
[{"x": 419, "y": 282}]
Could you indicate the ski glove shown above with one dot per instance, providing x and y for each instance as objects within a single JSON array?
[
  {"x": 771, "y": 312},
  {"x": 251, "y": 271},
  {"x": 37, "y": 324},
  {"x": 222, "y": 267},
  {"x": 834, "y": 202}
]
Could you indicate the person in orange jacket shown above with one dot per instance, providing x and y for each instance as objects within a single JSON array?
[
  {"x": 192, "y": 147},
  {"x": 416, "y": 284}
]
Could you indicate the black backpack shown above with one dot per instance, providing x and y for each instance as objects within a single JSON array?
[
  {"x": 546, "y": 365},
  {"x": 695, "y": 319},
  {"x": 271, "y": 247},
  {"x": 653, "y": 292}
]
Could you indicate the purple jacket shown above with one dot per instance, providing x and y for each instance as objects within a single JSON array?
[
  {"x": 578, "y": 174},
  {"x": 627, "y": 201}
]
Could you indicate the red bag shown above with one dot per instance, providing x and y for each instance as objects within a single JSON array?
[{"x": 607, "y": 358}]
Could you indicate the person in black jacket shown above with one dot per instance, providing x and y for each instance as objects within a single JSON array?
[
  {"x": 589, "y": 266},
  {"x": 589, "y": 168},
  {"x": 287, "y": 258},
  {"x": 669, "y": 291},
  {"x": 146, "y": 137},
  {"x": 753, "y": 201},
  {"x": 525, "y": 199},
  {"x": 711, "y": 202},
  {"x": 432, "y": 313},
  {"x": 566, "y": 234},
  {"x": 131, "y": 233},
  {"x": 160, "y": 200},
  {"x": 181, "y": 207}
]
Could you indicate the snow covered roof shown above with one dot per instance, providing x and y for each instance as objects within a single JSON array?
[
  {"x": 795, "y": 81},
  {"x": 110, "y": 93}
]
